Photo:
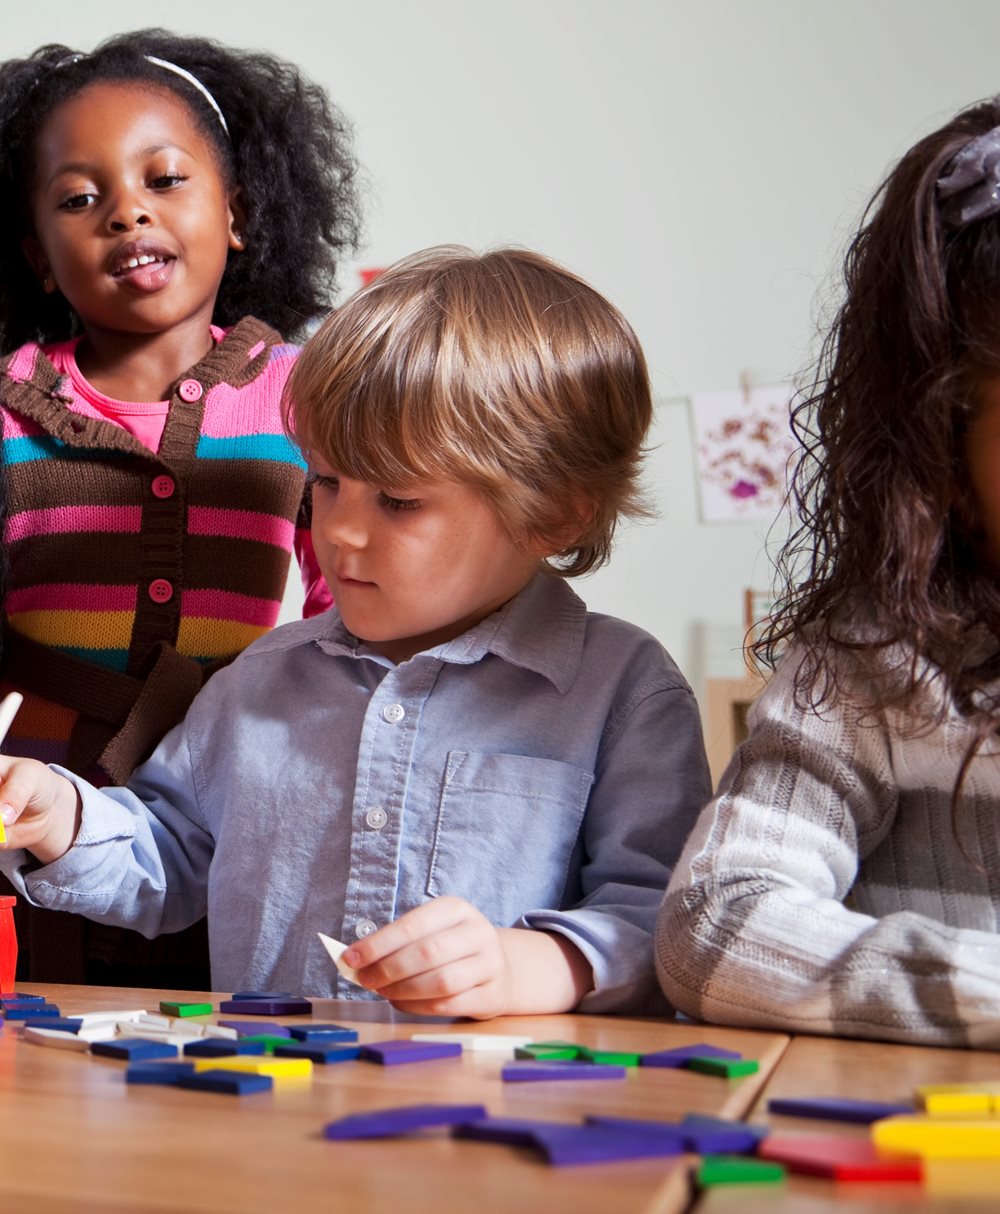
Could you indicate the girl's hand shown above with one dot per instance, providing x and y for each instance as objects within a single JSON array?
[
  {"x": 445, "y": 958},
  {"x": 40, "y": 809}
]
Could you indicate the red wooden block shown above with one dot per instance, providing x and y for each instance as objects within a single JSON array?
[{"x": 845, "y": 1159}]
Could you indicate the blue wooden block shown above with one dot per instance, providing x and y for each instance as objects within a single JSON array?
[
  {"x": 21, "y": 997},
  {"x": 160, "y": 1074},
  {"x": 134, "y": 1048},
  {"x": 318, "y": 1052},
  {"x": 63, "y": 1024},
  {"x": 727, "y": 1138},
  {"x": 33, "y": 1011},
  {"x": 216, "y": 1047},
  {"x": 702, "y": 1121},
  {"x": 385, "y": 1123},
  {"x": 394, "y": 1053},
  {"x": 836, "y": 1108},
  {"x": 265, "y": 995},
  {"x": 267, "y": 1007},
  {"x": 231, "y": 1083},
  {"x": 677, "y": 1058},
  {"x": 326, "y": 1032},
  {"x": 536, "y": 1072},
  {"x": 256, "y": 1028},
  {"x": 670, "y": 1131},
  {"x": 563, "y": 1144}
]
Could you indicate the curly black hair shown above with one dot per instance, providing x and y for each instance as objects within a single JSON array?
[{"x": 288, "y": 149}]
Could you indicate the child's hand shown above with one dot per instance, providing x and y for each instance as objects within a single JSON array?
[
  {"x": 40, "y": 809},
  {"x": 443, "y": 958}
]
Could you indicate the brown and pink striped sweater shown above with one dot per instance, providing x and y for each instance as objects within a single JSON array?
[{"x": 135, "y": 573}]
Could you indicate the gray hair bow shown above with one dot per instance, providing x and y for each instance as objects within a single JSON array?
[{"x": 970, "y": 186}]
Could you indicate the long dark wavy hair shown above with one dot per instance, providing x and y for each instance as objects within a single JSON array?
[
  {"x": 289, "y": 150},
  {"x": 888, "y": 548}
]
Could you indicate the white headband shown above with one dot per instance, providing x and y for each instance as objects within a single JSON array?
[{"x": 193, "y": 80}]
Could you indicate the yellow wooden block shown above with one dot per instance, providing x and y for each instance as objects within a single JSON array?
[
  {"x": 952, "y": 1103},
  {"x": 939, "y": 1138},
  {"x": 257, "y": 1064},
  {"x": 931, "y": 1089}
]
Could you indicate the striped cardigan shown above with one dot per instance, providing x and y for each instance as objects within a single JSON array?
[
  {"x": 133, "y": 574},
  {"x": 828, "y": 888}
]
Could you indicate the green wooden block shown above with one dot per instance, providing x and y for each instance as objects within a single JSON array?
[
  {"x": 609, "y": 1057},
  {"x": 727, "y": 1068},
  {"x": 269, "y": 1041},
  {"x": 737, "y": 1169},
  {"x": 540, "y": 1050},
  {"x": 169, "y": 1008}
]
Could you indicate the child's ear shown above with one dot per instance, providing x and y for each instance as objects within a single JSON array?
[
  {"x": 36, "y": 258},
  {"x": 237, "y": 220}
]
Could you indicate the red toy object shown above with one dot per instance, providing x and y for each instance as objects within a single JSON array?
[
  {"x": 8, "y": 944},
  {"x": 844, "y": 1159}
]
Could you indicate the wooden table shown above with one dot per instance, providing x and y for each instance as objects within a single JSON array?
[
  {"x": 863, "y": 1070},
  {"x": 75, "y": 1137}
]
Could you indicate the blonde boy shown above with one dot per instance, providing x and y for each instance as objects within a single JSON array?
[{"x": 458, "y": 769}]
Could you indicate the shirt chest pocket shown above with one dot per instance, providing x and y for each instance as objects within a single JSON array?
[{"x": 506, "y": 830}]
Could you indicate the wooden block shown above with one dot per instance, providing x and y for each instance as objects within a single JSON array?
[
  {"x": 56, "y": 1038},
  {"x": 737, "y": 1169},
  {"x": 172, "y": 1008},
  {"x": 277, "y": 1068},
  {"x": 230, "y": 1083},
  {"x": 840, "y": 1158},
  {"x": 726, "y": 1068},
  {"x": 938, "y": 1138}
]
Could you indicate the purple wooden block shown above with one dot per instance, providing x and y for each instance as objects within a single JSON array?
[
  {"x": 515, "y": 1131},
  {"x": 231, "y": 1083},
  {"x": 255, "y": 1028},
  {"x": 835, "y": 1108},
  {"x": 702, "y": 1121},
  {"x": 324, "y": 1032},
  {"x": 316, "y": 1051},
  {"x": 267, "y": 1007},
  {"x": 384, "y": 1123},
  {"x": 161, "y": 1074},
  {"x": 134, "y": 1047},
  {"x": 393, "y": 1053},
  {"x": 669, "y": 1131},
  {"x": 527, "y": 1072},
  {"x": 239, "y": 995},
  {"x": 570, "y": 1144},
  {"x": 678, "y": 1057}
]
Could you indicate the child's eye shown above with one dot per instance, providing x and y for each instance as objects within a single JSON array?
[
  {"x": 166, "y": 181},
  {"x": 324, "y": 481},
  {"x": 398, "y": 503},
  {"x": 77, "y": 202}
]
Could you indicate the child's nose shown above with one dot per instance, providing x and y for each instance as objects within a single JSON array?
[
  {"x": 127, "y": 212},
  {"x": 344, "y": 525}
]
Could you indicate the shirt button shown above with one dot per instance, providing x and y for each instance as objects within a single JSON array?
[
  {"x": 190, "y": 390},
  {"x": 376, "y": 817},
  {"x": 163, "y": 486},
  {"x": 364, "y": 927},
  {"x": 160, "y": 590},
  {"x": 393, "y": 713}
]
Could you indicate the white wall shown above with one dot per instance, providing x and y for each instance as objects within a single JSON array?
[{"x": 699, "y": 162}]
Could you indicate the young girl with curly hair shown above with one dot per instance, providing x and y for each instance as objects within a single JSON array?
[
  {"x": 846, "y": 879},
  {"x": 172, "y": 210}
]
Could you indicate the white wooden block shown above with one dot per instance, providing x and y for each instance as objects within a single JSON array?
[
  {"x": 113, "y": 1016},
  {"x": 55, "y": 1038},
  {"x": 477, "y": 1042},
  {"x": 336, "y": 949}
]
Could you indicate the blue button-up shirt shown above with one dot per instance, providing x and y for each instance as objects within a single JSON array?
[{"x": 546, "y": 766}]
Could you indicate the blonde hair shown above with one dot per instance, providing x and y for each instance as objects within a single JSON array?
[{"x": 503, "y": 371}]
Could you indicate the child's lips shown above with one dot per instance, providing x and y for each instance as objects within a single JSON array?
[{"x": 142, "y": 266}]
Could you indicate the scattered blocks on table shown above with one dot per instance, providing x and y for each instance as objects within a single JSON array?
[
  {"x": 938, "y": 1137},
  {"x": 172, "y": 1008},
  {"x": 326, "y": 1055},
  {"x": 325, "y": 1032},
  {"x": 679, "y": 1057},
  {"x": 267, "y": 1007},
  {"x": 725, "y": 1068},
  {"x": 839, "y": 1158},
  {"x": 387, "y": 1123},
  {"x": 230, "y": 1083},
  {"x": 835, "y": 1108},
  {"x": 737, "y": 1169},
  {"x": 400, "y": 1051},
  {"x": 529, "y": 1072},
  {"x": 134, "y": 1048}
]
